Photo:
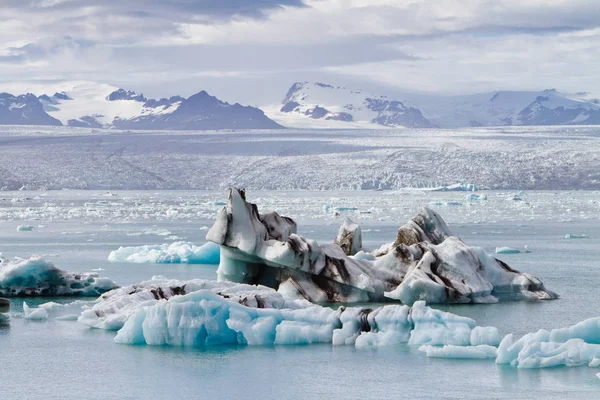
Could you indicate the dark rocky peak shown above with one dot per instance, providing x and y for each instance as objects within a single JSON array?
[{"x": 121, "y": 94}]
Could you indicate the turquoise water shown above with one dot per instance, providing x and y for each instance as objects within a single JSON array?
[{"x": 62, "y": 359}]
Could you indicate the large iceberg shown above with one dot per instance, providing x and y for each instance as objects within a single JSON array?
[
  {"x": 38, "y": 277},
  {"x": 201, "y": 312},
  {"x": 425, "y": 262},
  {"x": 178, "y": 252}
]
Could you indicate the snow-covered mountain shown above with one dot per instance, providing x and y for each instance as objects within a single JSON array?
[
  {"x": 509, "y": 108},
  {"x": 24, "y": 110},
  {"x": 93, "y": 105},
  {"x": 335, "y": 106},
  {"x": 322, "y": 105}
]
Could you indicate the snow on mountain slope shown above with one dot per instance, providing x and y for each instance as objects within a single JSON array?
[
  {"x": 97, "y": 105},
  {"x": 313, "y": 104},
  {"x": 503, "y": 108},
  {"x": 25, "y": 109},
  {"x": 87, "y": 104},
  {"x": 329, "y": 106}
]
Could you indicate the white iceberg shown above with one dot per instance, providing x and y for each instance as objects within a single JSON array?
[
  {"x": 178, "y": 252},
  {"x": 482, "y": 351},
  {"x": 511, "y": 250},
  {"x": 574, "y": 236},
  {"x": 225, "y": 313},
  {"x": 38, "y": 277},
  {"x": 36, "y": 314},
  {"x": 424, "y": 263},
  {"x": 476, "y": 197},
  {"x": 571, "y": 346}
]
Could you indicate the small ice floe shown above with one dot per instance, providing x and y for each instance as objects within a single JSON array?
[
  {"x": 155, "y": 231},
  {"x": 510, "y": 250},
  {"x": 475, "y": 197},
  {"x": 38, "y": 277},
  {"x": 178, "y": 252},
  {"x": 457, "y": 187},
  {"x": 445, "y": 203},
  {"x": 25, "y": 228},
  {"x": 35, "y": 314},
  {"x": 482, "y": 351},
  {"x": 573, "y": 236}
]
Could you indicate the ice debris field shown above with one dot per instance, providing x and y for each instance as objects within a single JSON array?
[
  {"x": 495, "y": 158},
  {"x": 280, "y": 277}
]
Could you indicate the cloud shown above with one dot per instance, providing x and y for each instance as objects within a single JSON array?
[{"x": 256, "y": 49}]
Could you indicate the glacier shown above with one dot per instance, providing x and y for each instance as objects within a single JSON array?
[
  {"x": 177, "y": 252},
  {"x": 38, "y": 277},
  {"x": 425, "y": 262}
]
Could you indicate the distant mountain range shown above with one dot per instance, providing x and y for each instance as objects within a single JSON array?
[
  {"x": 306, "y": 105},
  {"x": 92, "y": 105},
  {"x": 317, "y": 104}
]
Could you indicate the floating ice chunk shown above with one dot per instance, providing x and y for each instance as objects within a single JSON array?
[
  {"x": 573, "y": 236},
  {"x": 595, "y": 363},
  {"x": 36, "y": 314},
  {"x": 476, "y": 197},
  {"x": 482, "y": 351},
  {"x": 457, "y": 187},
  {"x": 572, "y": 346},
  {"x": 24, "y": 228},
  {"x": 38, "y": 277},
  {"x": 510, "y": 250},
  {"x": 572, "y": 353},
  {"x": 178, "y": 252},
  {"x": 152, "y": 231}
]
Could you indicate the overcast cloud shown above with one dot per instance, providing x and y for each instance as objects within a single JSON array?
[{"x": 252, "y": 51}]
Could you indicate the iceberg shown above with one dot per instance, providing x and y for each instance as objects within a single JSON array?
[
  {"x": 24, "y": 228},
  {"x": 475, "y": 197},
  {"x": 425, "y": 262},
  {"x": 178, "y": 252},
  {"x": 572, "y": 346},
  {"x": 573, "y": 236},
  {"x": 483, "y": 351},
  {"x": 36, "y": 314},
  {"x": 457, "y": 187},
  {"x": 203, "y": 313},
  {"x": 510, "y": 250},
  {"x": 38, "y": 277}
]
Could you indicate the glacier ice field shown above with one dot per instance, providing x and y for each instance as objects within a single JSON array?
[{"x": 131, "y": 236}]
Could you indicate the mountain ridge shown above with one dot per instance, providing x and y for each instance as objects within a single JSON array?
[
  {"x": 325, "y": 104},
  {"x": 92, "y": 105}
]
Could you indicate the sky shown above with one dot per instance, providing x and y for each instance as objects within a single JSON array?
[{"x": 251, "y": 51}]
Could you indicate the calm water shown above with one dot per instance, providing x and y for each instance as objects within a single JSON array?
[{"x": 61, "y": 359}]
